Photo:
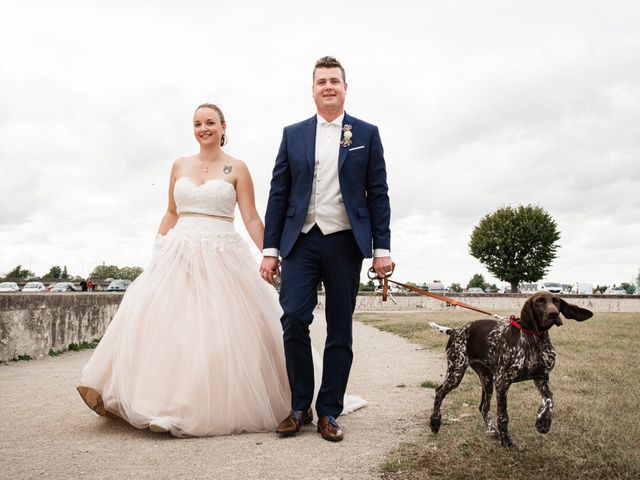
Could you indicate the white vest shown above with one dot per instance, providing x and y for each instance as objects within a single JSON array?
[{"x": 326, "y": 207}]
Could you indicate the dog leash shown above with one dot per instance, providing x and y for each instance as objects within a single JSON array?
[{"x": 384, "y": 282}]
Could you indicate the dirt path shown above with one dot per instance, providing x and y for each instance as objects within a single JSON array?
[{"x": 46, "y": 431}]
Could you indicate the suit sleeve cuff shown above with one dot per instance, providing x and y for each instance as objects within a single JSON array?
[
  {"x": 381, "y": 252},
  {"x": 270, "y": 252}
]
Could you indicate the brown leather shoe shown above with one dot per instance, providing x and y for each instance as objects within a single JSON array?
[
  {"x": 330, "y": 429},
  {"x": 294, "y": 422}
]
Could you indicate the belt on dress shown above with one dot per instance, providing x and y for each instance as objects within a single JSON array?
[{"x": 205, "y": 215}]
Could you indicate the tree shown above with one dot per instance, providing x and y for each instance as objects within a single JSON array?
[
  {"x": 129, "y": 273},
  {"x": 516, "y": 244},
  {"x": 455, "y": 287},
  {"x": 477, "y": 281},
  {"x": 600, "y": 288},
  {"x": 630, "y": 288},
  {"x": 369, "y": 287},
  {"x": 64, "y": 274},
  {"x": 19, "y": 273},
  {"x": 54, "y": 272},
  {"x": 104, "y": 271}
]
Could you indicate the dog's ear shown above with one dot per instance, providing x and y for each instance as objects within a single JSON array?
[
  {"x": 528, "y": 315},
  {"x": 573, "y": 311}
]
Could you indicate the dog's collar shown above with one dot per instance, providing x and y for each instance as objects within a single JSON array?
[{"x": 514, "y": 322}]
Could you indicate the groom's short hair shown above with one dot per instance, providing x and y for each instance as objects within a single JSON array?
[{"x": 329, "y": 62}]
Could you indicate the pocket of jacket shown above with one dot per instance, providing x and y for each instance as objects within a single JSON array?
[
  {"x": 363, "y": 212},
  {"x": 291, "y": 211}
]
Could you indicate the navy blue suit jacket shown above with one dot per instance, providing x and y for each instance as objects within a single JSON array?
[{"x": 363, "y": 184}]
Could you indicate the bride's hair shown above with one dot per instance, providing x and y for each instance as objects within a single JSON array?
[{"x": 223, "y": 140}]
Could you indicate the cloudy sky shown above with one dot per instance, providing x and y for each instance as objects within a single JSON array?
[{"x": 479, "y": 105}]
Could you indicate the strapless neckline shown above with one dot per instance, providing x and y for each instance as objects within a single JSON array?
[{"x": 221, "y": 180}]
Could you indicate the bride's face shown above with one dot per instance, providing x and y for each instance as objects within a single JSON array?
[{"x": 207, "y": 127}]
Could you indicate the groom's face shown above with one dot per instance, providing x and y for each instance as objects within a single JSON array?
[{"x": 329, "y": 89}]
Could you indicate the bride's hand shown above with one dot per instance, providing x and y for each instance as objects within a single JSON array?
[{"x": 269, "y": 268}]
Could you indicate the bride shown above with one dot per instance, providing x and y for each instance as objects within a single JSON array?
[{"x": 195, "y": 347}]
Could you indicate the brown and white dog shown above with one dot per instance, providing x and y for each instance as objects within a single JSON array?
[{"x": 502, "y": 353}]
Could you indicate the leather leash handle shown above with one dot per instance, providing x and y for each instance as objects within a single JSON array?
[{"x": 384, "y": 281}]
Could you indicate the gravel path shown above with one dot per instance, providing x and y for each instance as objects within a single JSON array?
[{"x": 46, "y": 431}]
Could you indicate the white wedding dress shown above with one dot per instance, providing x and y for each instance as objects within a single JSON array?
[{"x": 196, "y": 343}]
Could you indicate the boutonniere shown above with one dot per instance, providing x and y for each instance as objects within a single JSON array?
[{"x": 346, "y": 135}]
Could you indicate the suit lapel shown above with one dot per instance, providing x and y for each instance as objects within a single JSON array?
[
  {"x": 309, "y": 133},
  {"x": 342, "y": 156}
]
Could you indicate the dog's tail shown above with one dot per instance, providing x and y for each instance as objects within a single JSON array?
[{"x": 440, "y": 328}]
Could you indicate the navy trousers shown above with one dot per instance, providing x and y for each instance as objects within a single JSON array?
[{"x": 336, "y": 260}]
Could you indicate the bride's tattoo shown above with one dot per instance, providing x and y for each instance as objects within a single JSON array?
[{"x": 227, "y": 169}]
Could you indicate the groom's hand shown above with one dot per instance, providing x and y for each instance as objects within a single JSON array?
[
  {"x": 269, "y": 268},
  {"x": 383, "y": 266}
]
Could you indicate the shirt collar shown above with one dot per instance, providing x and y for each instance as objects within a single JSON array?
[{"x": 337, "y": 121}]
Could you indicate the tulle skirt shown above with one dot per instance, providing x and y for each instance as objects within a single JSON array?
[{"x": 196, "y": 344}]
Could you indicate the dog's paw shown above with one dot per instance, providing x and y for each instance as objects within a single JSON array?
[
  {"x": 543, "y": 423},
  {"x": 505, "y": 441}
]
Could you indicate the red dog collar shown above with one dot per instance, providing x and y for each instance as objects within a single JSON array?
[{"x": 514, "y": 322}]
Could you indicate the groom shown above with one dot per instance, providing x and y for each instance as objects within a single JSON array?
[{"x": 328, "y": 206}]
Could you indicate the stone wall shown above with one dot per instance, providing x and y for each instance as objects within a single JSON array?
[{"x": 34, "y": 324}]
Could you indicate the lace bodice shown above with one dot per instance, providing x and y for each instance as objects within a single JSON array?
[{"x": 214, "y": 197}]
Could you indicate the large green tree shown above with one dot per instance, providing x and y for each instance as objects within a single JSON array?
[{"x": 516, "y": 244}]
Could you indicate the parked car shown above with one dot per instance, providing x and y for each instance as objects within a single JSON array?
[
  {"x": 552, "y": 287},
  {"x": 435, "y": 287},
  {"x": 34, "y": 287},
  {"x": 615, "y": 291},
  {"x": 475, "y": 290},
  {"x": 64, "y": 287},
  {"x": 582, "y": 288},
  {"x": 118, "y": 285},
  {"x": 9, "y": 287}
]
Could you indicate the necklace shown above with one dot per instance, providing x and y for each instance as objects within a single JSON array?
[{"x": 207, "y": 165}]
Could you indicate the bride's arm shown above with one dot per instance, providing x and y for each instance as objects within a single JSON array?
[
  {"x": 171, "y": 217},
  {"x": 247, "y": 205}
]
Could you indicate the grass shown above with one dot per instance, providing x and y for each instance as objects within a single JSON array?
[
  {"x": 596, "y": 426},
  {"x": 22, "y": 358},
  {"x": 76, "y": 347}
]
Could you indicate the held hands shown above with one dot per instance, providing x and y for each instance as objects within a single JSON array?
[
  {"x": 269, "y": 268},
  {"x": 383, "y": 266}
]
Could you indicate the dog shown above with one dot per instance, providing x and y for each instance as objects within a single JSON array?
[{"x": 502, "y": 353}]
